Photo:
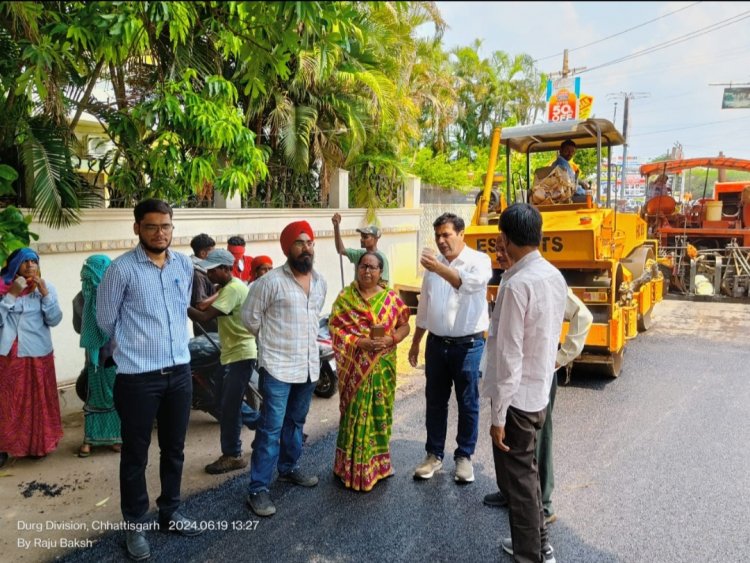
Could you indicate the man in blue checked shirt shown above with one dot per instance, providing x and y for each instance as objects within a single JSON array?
[{"x": 142, "y": 303}]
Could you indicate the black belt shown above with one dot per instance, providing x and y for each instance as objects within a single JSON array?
[
  {"x": 451, "y": 340},
  {"x": 166, "y": 371}
]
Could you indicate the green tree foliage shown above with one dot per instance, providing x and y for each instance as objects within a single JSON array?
[
  {"x": 208, "y": 95},
  {"x": 14, "y": 228}
]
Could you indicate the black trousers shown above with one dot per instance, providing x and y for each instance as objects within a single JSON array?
[
  {"x": 140, "y": 399},
  {"x": 518, "y": 479}
]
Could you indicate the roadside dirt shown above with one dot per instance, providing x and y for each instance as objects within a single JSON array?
[{"x": 64, "y": 496}]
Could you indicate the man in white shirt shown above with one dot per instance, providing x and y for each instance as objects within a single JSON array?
[
  {"x": 524, "y": 334},
  {"x": 579, "y": 319},
  {"x": 453, "y": 309},
  {"x": 281, "y": 311}
]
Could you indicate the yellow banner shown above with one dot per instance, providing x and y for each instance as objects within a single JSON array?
[{"x": 585, "y": 103}]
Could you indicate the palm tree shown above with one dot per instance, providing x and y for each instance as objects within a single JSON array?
[{"x": 34, "y": 135}]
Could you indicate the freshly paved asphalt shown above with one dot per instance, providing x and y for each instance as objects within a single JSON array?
[{"x": 650, "y": 467}]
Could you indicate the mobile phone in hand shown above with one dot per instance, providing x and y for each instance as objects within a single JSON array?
[{"x": 377, "y": 331}]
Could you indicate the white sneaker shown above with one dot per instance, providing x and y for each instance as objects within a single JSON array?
[
  {"x": 507, "y": 544},
  {"x": 464, "y": 470},
  {"x": 427, "y": 468},
  {"x": 547, "y": 552}
]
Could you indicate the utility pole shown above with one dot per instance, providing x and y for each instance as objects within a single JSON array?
[
  {"x": 625, "y": 121},
  {"x": 566, "y": 70}
]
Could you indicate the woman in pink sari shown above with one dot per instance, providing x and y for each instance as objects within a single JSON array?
[
  {"x": 30, "y": 424},
  {"x": 366, "y": 364}
]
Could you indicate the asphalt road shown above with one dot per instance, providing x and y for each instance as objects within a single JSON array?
[{"x": 650, "y": 467}]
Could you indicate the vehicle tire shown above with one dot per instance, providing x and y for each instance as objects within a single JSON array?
[
  {"x": 82, "y": 385},
  {"x": 328, "y": 382},
  {"x": 615, "y": 367},
  {"x": 667, "y": 273},
  {"x": 494, "y": 199},
  {"x": 645, "y": 322}
]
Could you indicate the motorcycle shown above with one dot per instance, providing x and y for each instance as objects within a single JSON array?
[
  {"x": 328, "y": 383},
  {"x": 208, "y": 373}
]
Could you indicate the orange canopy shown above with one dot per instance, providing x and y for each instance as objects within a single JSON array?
[{"x": 674, "y": 166}]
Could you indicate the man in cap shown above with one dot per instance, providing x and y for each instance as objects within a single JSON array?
[
  {"x": 238, "y": 356},
  {"x": 368, "y": 241},
  {"x": 282, "y": 311}
]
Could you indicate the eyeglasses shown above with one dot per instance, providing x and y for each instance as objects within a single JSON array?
[
  {"x": 304, "y": 243},
  {"x": 153, "y": 229},
  {"x": 368, "y": 267}
]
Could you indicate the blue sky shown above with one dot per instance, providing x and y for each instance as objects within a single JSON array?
[{"x": 677, "y": 103}]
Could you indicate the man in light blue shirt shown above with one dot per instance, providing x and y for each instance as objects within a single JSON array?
[
  {"x": 142, "y": 303},
  {"x": 567, "y": 151}
]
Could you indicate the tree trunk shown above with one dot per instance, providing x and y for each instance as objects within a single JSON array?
[{"x": 83, "y": 102}]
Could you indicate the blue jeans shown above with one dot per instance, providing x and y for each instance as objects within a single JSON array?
[
  {"x": 233, "y": 415},
  {"x": 278, "y": 438},
  {"x": 447, "y": 365}
]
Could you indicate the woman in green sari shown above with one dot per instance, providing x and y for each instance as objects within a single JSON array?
[
  {"x": 101, "y": 422},
  {"x": 366, "y": 364}
]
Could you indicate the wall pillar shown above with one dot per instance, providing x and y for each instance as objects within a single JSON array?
[
  {"x": 338, "y": 197},
  {"x": 222, "y": 202},
  {"x": 412, "y": 192}
]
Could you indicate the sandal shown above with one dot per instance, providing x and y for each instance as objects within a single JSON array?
[{"x": 84, "y": 450}]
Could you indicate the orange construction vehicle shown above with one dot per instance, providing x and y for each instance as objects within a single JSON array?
[{"x": 706, "y": 241}]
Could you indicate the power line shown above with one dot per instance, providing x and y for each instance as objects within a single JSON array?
[
  {"x": 618, "y": 33},
  {"x": 724, "y": 56},
  {"x": 690, "y": 126},
  {"x": 675, "y": 41}
]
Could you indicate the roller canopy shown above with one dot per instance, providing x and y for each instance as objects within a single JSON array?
[
  {"x": 674, "y": 166},
  {"x": 545, "y": 137}
]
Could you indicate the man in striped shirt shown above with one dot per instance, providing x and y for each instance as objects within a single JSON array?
[
  {"x": 142, "y": 304},
  {"x": 282, "y": 312}
]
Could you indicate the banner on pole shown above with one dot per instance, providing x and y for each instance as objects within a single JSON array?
[{"x": 563, "y": 99}]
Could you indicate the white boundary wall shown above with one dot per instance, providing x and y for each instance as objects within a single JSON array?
[{"x": 110, "y": 232}]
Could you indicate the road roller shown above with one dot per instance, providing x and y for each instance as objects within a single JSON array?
[{"x": 605, "y": 255}]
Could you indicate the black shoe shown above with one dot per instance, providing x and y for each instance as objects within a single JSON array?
[
  {"x": 137, "y": 545},
  {"x": 495, "y": 500},
  {"x": 3, "y": 458},
  {"x": 179, "y": 524},
  {"x": 299, "y": 478},
  {"x": 261, "y": 503}
]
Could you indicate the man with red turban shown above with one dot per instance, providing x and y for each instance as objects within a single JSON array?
[
  {"x": 282, "y": 311},
  {"x": 291, "y": 232},
  {"x": 260, "y": 266}
]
